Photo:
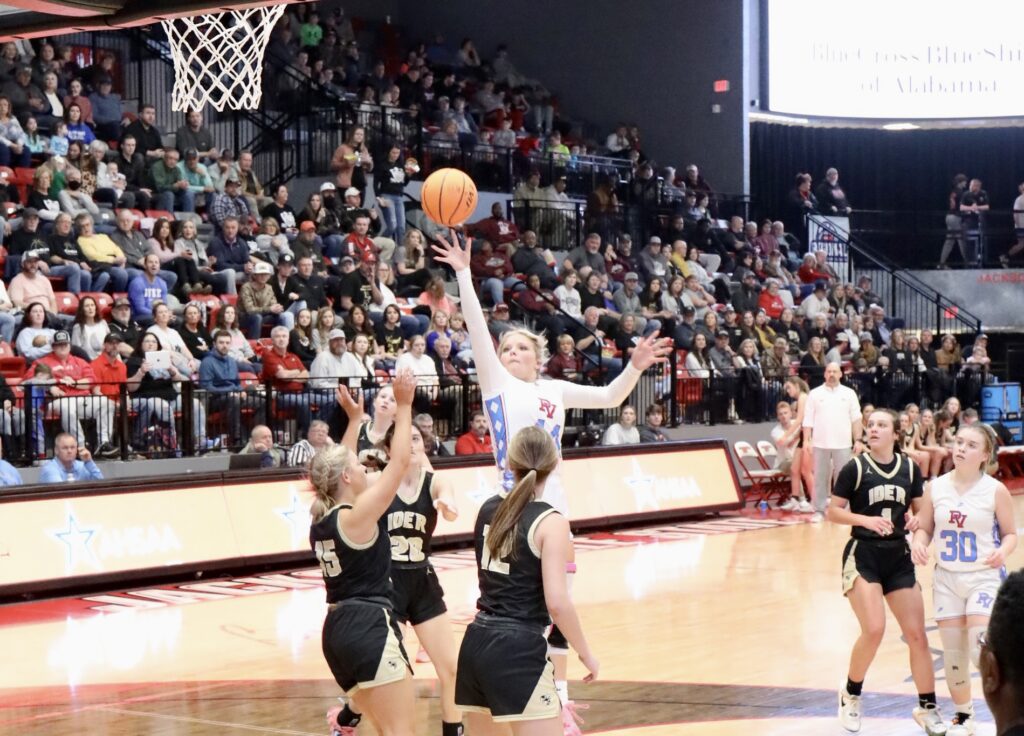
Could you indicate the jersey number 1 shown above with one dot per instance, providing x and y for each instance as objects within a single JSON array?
[
  {"x": 960, "y": 546},
  {"x": 328, "y": 558},
  {"x": 499, "y": 566}
]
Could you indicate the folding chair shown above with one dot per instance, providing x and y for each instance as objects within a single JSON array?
[{"x": 764, "y": 482}]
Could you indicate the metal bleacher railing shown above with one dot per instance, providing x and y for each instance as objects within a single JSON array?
[{"x": 908, "y": 297}]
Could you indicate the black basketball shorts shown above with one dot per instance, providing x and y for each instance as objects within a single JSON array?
[
  {"x": 363, "y": 646},
  {"x": 504, "y": 671},
  {"x": 416, "y": 594},
  {"x": 885, "y": 562}
]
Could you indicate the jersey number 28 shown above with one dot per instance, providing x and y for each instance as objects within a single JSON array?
[
  {"x": 328, "y": 558},
  {"x": 407, "y": 549},
  {"x": 960, "y": 546}
]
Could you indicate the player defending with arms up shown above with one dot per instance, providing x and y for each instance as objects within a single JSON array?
[
  {"x": 873, "y": 494},
  {"x": 515, "y": 397},
  {"x": 418, "y": 598},
  {"x": 522, "y": 547},
  {"x": 349, "y": 534},
  {"x": 970, "y": 515}
]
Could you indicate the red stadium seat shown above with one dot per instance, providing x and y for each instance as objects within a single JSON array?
[
  {"x": 104, "y": 302},
  {"x": 157, "y": 214},
  {"x": 231, "y": 299},
  {"x": 12, "y": 367},
  {"x": 6, "y": 350},
  {"x": 67, "y": 303},
  {"x": 24, "y": 175}
]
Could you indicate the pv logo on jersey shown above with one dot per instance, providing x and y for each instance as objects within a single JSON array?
[{"x": 958, "y": 518}]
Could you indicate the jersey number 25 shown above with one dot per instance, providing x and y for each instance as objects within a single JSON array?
[{"x": 328, "y": 558}]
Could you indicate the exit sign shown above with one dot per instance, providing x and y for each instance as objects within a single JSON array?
[{"x": 721, "y": 85}]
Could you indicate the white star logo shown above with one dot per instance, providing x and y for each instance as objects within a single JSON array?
[
  {"x": 642, "y": 486},
  {"x": 484, "y": 489},
  {"x": 296, "y": 515},
  {"x": 77, "y": 541}
]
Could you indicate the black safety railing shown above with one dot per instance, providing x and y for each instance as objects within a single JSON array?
[
  {"x": 920, "y": 238},
  {"x": 558, "y": 226},
  {"x": 907, "y": 297},
  {"x": 184, "y": 420}
]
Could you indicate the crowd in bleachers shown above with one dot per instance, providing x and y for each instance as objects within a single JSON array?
[{"x": 159, "y": 276}]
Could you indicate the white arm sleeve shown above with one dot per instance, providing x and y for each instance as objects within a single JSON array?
[
  {"x": 489, "y": 369},
  {"x": 576, "y": 396}
]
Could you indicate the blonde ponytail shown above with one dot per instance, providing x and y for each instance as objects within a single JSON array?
[
  {"x": 532, "y": 456},
  {"x": 325, "y": 469}
]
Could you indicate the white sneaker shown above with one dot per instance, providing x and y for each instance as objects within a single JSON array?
[
  {"x": 790, "y": 504},
  {"x": 849, "y": 711},
  {"x": 930, "y": 720},
  {"x": 818, "y": 517},
  {"x": 804, "y": 507}
]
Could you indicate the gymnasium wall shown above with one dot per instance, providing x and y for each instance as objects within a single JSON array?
[{"x": 653, "y": 63}]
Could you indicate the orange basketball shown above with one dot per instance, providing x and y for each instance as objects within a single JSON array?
[{"x": 448, "y": 197}]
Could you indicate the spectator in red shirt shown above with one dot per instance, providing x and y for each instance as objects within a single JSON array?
[
  {"x": 477, "y": 441},
  {"x": 770, "y": 301},
  {"x": 810, "y": 272},
  {"x": 358, "y": 243},
  {"x": 565, "y": 364},
  {"x": 493, "y": 270},
  {"x": 109, "y": 369},
  {"x": 496, "y": 228},
  {"x": 288, "y": 377},
  {"x": 73, "y": 397},
  {"x": 542, "y": 307}
]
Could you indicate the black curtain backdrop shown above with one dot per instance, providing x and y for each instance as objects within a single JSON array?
[{"x": 882, "y": 169}]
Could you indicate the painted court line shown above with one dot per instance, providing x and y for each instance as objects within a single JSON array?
[{"x": 206, "y": 722}]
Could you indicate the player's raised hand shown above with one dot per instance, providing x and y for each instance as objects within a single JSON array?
[
  {"x": 451, "y": 252},
  {"x": 404, "y": 387},
  {"x": 353, "y": 407},
  {"x": 651, "y": 350}
]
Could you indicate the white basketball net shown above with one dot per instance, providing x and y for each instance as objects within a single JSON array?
[{"x": 218, "y": 58}]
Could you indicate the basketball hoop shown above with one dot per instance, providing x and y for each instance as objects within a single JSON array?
[{"x": 218, "y": 58}]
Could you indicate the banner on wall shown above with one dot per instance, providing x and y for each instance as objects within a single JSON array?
[
  {"x": 830, "y": 234},
  {"x": 55, "y": 542}
]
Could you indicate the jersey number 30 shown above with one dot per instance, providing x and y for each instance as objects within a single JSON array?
[
  {"x": 328, "y": 558},
  {"x": 960, "y": 546}
]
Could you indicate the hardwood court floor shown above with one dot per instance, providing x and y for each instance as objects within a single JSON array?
[{"x": 729, "y": 626}]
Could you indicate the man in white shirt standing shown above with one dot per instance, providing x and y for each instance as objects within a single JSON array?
[{"x": 832, "y": 423}]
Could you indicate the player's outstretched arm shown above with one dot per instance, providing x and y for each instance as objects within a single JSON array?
[{"x": 373, "y": 503}]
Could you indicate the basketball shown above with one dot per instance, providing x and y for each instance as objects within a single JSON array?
[{"x": 448, "y": 197}]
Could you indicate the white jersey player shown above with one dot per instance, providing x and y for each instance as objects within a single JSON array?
[
  {"x": 515, "y": 395},
  {"x": 970, "y": 517}
]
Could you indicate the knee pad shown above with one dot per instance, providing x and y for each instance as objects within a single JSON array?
[
  {"x": 954, "y": 656},
  {"x": 972, "y": 642}
]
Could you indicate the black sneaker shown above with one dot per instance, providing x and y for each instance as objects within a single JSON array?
[{"x": 107, "y": 450}]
